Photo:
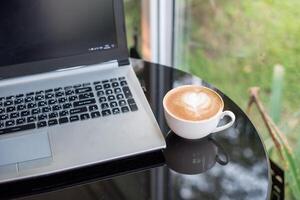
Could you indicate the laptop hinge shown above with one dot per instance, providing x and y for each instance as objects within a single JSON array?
[{"x": 123, "y": 62}]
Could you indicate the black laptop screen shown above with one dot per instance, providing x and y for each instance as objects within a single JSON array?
[{"x": 33, "y": 30}]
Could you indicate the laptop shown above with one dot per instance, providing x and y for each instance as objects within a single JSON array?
[{"x": 69, "y": 97}]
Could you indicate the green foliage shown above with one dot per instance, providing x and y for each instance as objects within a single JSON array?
[
  {"x": 133, "y": 19},
  {"x": 236, "y": 44}
]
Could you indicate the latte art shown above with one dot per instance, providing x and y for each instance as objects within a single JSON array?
[{"x": 193, "y": 103}]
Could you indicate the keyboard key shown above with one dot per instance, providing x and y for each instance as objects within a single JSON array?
[
  {"x": 67, "y": 106},
  {"x": 63, "y": 113},
  {"x": 105, "y": 81},
  {"x": 120, "y": 96},
  {"x": 56, "y": 108},
  {"x": 115, "y": 84},
  {"x": 3, "y": 117},
  {"x": 35, "y": 111},
  {"x": 84, "y": 116},
  {"x": 118, "y": 90},
  {"x": 48, "y": 91},
  {"x": 52, "y": 122},
  {"x": 10, "y": 97},
  {"x": 21, "y": 107},
  {"x": 108, "y": 92},
  {"x": 68, "y": 88},
  {"x": 125, "y": 109},
  {"x": 31, "y": 105},
  {"x": 25, "y": 113},
  {"x": 8, "y": 103},
  {"x": 9, "y": 123},
  {"x": 127, "y": 92},
  {"x": 39, "y": 92},
  {"x": 63, "y": 120},
  {"x": 18, "y": 128},
  {"x": 52, "y": 101},
  {"x": 62, "y": 100},
  {"x": 19, "y": 96},
  {"x": 70, "y": 92},
  {"x": 46, "y": 109},
  {"x": 86, "y": 84},
  {"x": 95, "y": 114},
  {"x": 106, "y": 113},
  {"x": 102, "y": 99},
  {"x": 42, "y": 103},
  {"x": 73, "y": 98},
  {"x": 59, "y": 94},
  {"x": 53, "y": 115},
  {"x": 1, "y": 124},
  {"x": 14, "y": 115},
  {"x": 57, "y": 89},
  {"x": 31, "y": 119},
  {"x": 41, "y": 124},
  {"x": 104, "y": 106},
  {"x": 20, "y": 121},
  {"x": 19, "y": 101},
  {"x": 93, "y": 108},
  {"x": 113, "y": 79},
  {"x": 131, "y": 101},
  {"x": 96, "y": 82},
  {"x": 84, "y": 102},
  {"x": 10, "y": 109},
  {"x": 122, "y": 103},
  {"x": 121, "y": 78},
  {"x": 39, "y": 97},
  {"x": 106, "y": 85},
  {"x": 74, "y": 118},
  {"x": 30, "y": 94},
  {"x": 78, "y": 110},
  {"x": 116, "y": 111},
  {"x": 100, "y": 93},
  {"x": 99, "y": 87},
  {"x": 113, "y": 104},
  {"x": 42, "y": 117},
  {"x": 133, "y": 107},
  {"x": 111, "y": 97},
  {"x": 83, "y": 90},
  {"x": 77, "y": 86},
  {"x": 1, "y": 110},
  {"x": 86, "y": 96},
  {"x": 123, "y": 83},
  {"x": 29, "y": 99},
  {"x": 49, "y": 96}
]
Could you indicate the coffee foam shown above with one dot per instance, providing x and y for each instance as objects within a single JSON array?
[{"x": 193, "y": 103}]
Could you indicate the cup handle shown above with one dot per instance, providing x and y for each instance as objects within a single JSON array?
[{"x": 225, "y": 113}]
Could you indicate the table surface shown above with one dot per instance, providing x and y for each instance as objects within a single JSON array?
[{"x": 231, "y": 164}]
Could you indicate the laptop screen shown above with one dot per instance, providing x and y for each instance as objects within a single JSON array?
[{"x": 35, "y": 30}]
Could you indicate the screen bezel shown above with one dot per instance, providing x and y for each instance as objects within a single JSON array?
[{"x": 118, "y": 53}]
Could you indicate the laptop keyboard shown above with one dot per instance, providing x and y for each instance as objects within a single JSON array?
[{"x": 63, "y": 105}]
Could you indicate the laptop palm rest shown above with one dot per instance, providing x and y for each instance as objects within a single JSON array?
[{"x": 23, "y": 148}]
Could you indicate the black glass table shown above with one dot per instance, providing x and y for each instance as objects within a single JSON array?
[{"x": 231, "y": 164}]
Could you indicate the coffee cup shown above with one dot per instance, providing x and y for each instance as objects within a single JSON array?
[{"x": 194, "y": 112}]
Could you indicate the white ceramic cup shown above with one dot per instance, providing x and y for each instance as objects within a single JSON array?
[{"x": 197, "y": 129}]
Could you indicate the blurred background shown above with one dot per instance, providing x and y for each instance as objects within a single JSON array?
[{"x": 234, "y": 45}]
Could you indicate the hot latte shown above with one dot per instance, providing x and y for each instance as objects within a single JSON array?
[{"x": 193, "y": 103}]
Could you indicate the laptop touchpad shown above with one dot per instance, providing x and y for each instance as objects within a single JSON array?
[{"x": 24, "y": 148}]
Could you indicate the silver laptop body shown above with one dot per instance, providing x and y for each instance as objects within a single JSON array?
[{"x": 89, "y": 139}]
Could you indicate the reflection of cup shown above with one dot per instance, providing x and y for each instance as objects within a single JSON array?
[
  {"x": 193, "y": 111},
  {"x": 193, "y": 156}
]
